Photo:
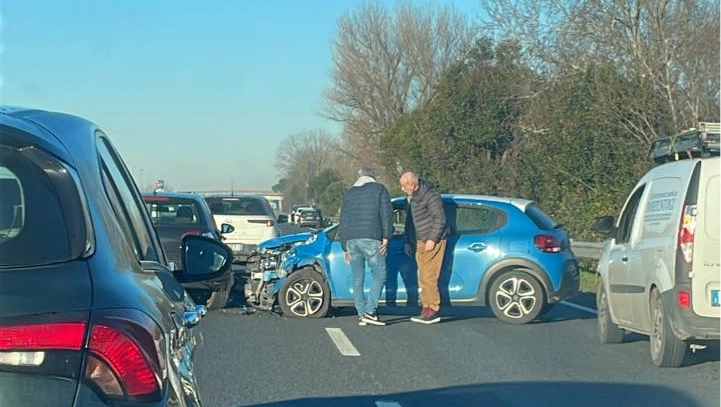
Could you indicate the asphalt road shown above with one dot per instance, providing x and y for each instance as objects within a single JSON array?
[{"x": 469, "y": 359}]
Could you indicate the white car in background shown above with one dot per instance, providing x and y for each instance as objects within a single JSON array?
[{"x": 251, "y": 216}]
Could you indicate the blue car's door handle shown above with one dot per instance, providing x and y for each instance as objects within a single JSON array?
[{"x": 477, "y": 247}]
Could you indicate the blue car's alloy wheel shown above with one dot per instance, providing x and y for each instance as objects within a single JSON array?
[
  {"x": 305, "y": 294},
  {"x": 516, "y": 297}
]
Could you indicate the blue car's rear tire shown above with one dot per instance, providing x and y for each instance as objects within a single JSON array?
[
  {"x": 516, "y": 297},
  {"x": 305, "y": 294}
]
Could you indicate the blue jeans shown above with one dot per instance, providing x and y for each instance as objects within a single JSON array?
[{"x": 364, "y": 251}]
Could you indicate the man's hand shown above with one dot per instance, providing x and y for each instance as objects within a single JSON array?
[
  {"x": 384, "y": 246},
  {"x": 430, "y": 245},
  {"x": 346, "y": 257}
]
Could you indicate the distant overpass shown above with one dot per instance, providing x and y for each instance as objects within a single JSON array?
[{"x": 275, "y": 199}]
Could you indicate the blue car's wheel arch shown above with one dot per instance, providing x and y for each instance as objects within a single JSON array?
[{"x": 508, "y": 264}]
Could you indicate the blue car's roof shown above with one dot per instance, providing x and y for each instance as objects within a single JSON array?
[{"x": 470, "y": 198}]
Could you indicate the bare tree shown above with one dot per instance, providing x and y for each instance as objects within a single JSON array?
[
  {"x": 303, "y": 156},
  {"x": 669, "y": 48},
  {"x": 385, "y": 64}
]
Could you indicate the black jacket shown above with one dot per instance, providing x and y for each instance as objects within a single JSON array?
[
  {"x": 426, "y": 218},
  {"x": 366, "y": 213}
]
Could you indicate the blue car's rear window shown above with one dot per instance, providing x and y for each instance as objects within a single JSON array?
[{"x": 540, "y": 218}]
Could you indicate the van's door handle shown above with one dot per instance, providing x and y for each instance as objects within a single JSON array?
[
  {"x": 624, "y": 258},
  {"x": 477, "y": 247}
]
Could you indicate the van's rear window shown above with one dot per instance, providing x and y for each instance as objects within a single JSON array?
[{"x": 41, "y": 215}]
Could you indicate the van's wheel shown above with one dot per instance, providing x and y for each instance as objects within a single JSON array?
[
  {"x": 516, "y": 297},
  {"x": 305, "y": 294},
  {"x": 608, "y": 332},
  {"x": 666, "y": 349}
]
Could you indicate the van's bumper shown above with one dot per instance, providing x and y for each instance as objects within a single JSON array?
[{"x": 686, "y": 324}]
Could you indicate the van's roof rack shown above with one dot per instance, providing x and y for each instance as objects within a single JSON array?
[{"x": 702, "y": 141}]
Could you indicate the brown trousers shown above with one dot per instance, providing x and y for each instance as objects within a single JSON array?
[{"x": 429, "y": 270}]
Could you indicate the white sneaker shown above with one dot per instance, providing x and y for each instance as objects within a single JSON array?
[{"x": 371, "y": 319}]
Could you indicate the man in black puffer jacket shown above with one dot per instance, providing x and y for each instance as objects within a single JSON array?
[
  {"x": 426, "y": 231},
  {"x": 366, "y": 224}
]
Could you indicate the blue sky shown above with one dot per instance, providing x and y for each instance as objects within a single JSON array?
[{"x": 198, "y": 93}]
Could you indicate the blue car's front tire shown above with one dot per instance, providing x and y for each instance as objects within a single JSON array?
[{"x": 305, "y": 294}]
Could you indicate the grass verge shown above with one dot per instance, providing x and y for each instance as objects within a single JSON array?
[{"x": 589, "y": 281}]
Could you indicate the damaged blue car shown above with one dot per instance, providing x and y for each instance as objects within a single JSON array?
[{"x": 504, "y": 253}]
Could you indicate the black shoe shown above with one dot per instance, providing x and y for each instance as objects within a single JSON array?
[
  {"x": 371, "y": 319},
  {"x": 428, "y": 316}
]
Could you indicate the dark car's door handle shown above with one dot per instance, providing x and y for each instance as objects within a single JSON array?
[{"x": 477, "y": 247}]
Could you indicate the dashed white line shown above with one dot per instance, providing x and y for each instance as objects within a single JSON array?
[
  {"x": 387, "y": 404},
  {"x": 344, "y": 345},
  {"x": 581, "y": 307}
]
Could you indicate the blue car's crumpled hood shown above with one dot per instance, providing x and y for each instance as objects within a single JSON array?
[{"x": 285, "y": 239}]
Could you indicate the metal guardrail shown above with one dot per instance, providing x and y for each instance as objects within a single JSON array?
[{"x": 587, "y": 250}]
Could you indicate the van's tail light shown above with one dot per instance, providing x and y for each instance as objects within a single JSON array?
[
  {"x": 683, "y": 298},
  {"x": 687, "y": 231},
  {"x": 126, "y": 351},
  {"x": 547, "y": 243}
]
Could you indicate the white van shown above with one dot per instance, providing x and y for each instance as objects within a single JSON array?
[{"x": 660, "y": 271}]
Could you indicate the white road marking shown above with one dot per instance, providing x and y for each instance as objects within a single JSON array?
[
  {"x": 345, "y": 347},
  {"x": 581, "y": 307},
  {"x": 387, "y": 404}
]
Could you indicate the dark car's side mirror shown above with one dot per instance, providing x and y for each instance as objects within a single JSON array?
[
  {"x": 282, "y": 218},
  {"x": 226, "y": 228},
  {"x": 202, "y": 257},
  {"x": 605, "y": 225}
]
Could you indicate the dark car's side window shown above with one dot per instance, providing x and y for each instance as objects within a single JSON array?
[
  {"x": 126, "y": 203},
  {"x": 477, "y": 219},
  {"x": 625, "y": 223}
]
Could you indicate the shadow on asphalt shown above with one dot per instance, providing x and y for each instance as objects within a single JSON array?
[
  {"x": 401, "y": 314},
  {"x": 521, "y": 394}
]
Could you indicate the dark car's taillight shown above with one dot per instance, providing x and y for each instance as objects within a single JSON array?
[
  {"x": 547, "y": 243},
  {"x": 128, "y": 355},
  {"x": 126, "y": 352},
  {"x": 54, "y": 336}
]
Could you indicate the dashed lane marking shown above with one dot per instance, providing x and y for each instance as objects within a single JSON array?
[
  {"x": 344, "y": 345},
  {"x": 581, "y": 307}
]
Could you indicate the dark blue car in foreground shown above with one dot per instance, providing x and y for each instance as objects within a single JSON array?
[
  {"x": 505, "y": 253},
  {"x": 90, "y": 312}
]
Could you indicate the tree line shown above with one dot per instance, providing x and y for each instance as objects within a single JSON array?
[{"x": 555, "y": 101}]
